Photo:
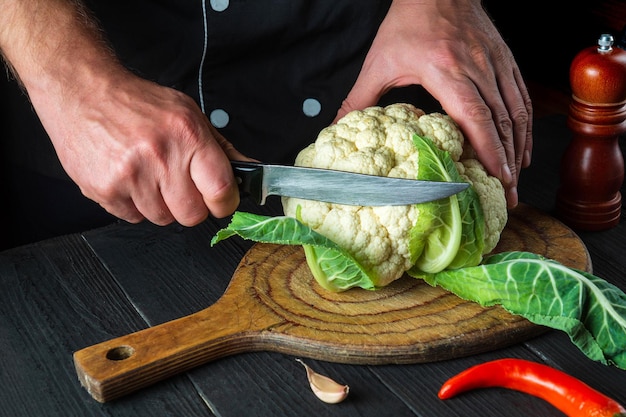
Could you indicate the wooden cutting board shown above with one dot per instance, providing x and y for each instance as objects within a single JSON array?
[{"x": 273, "y": 303}]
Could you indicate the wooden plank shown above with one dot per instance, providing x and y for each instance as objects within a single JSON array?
[
  {"x": 55, "y": 298},
  {"x": 272, "y": 384},
  {"x": 156, "y": 270},
  {"x": 169, "y": 272}
]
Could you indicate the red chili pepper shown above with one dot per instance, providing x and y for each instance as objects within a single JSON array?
[{"x": 570, "y": 395}]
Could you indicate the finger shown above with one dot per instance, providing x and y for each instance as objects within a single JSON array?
[
  {"x": 124, "y": 209},
  {"x": 517, "y": 100},
  {"x": 212, "y": 175},
  {"x": 115, "y": 200},
  {"x": 491, "y": 92},
  {"x": 504, "y": 99},
  {"x": 150, "y": 203},
  {"x": 187, "y": 194},
  {"x": 179, "y": 192},
  {"x": 177, "y": 196},
  {"x": 462, "y": 100},
  {"x": 528, "y": 142},
  {"x": 504, "y": 142},
  {"x": 137, "y": 191},
  {"x": 183, "y": 199}
]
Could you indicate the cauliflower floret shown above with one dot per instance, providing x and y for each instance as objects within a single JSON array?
[
  {"x": 379, "y": 141},
  {"x": 492, "y": 199},
  {"x": 371, "y": 141},
  {"x": 444, "y": 132},
  {"x": 404, "y": 112}
]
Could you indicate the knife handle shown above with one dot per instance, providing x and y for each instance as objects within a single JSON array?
[{"x": 249, "y": 176}]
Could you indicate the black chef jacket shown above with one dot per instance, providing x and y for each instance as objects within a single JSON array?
[{"x": 269, "y": 74}]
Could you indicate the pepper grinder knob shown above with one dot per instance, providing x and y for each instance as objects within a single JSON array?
[{"x": 592, "y": 167}]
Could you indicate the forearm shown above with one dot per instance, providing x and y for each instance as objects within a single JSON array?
[{"x": 53, "y": 46}]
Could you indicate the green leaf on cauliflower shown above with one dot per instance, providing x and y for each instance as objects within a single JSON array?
[
  {"x": 332, "y": 266},
  {"x": 589, "y": 309},
  {"x": 451, "y": 230}
]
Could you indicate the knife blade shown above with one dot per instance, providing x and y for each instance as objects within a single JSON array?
[{"x": 261, "y": 180}]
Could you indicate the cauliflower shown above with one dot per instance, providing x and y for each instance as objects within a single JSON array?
[
  {"x": 389, "y": 241},
  {"x": 369, "y": 247}
]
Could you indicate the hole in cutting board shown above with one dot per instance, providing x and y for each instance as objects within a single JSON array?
[{"x": 120, "y": 353}]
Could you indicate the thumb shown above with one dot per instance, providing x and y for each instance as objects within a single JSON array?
[{"x": 365, "y": 93}]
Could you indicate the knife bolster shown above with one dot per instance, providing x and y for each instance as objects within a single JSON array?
[{"x": 249, "y": 177}]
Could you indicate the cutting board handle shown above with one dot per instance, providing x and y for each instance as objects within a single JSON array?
[{"x": 116, "y": 367}]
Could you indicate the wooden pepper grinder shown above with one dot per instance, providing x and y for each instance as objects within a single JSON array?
[{"x": 592, "y": 168}]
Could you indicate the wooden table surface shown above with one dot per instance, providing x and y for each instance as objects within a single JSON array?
[{"x": 63, "y": 294}]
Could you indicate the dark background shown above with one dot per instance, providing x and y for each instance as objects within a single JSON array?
[{"x": 546, "y": 35}]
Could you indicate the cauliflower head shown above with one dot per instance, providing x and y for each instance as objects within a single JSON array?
[{"x": 422, "y": 238}]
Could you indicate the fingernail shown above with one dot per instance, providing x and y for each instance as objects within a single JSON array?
[
  {"x": 527, "y": 159},
  {"x": 505, "y": 174},
  {"x": 512, "y": 198}
]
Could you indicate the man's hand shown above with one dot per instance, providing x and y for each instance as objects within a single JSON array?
[
  {"x": 143, "y": 150},
  {"x": 453, "y": 50},
  {"x": 138, "y": 149}
]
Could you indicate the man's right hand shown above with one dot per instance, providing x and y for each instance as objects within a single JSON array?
[
  {"x": 138, "y": 149},
  {"x": 144, "y": 151}
]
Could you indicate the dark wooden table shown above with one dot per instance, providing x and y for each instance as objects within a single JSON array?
[{"x": 64, "y": 294}]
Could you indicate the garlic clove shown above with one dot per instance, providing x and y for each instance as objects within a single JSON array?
[{"x": 325, "y": 388}]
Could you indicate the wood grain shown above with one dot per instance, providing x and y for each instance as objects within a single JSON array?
[{"x": 274, "y": 304}]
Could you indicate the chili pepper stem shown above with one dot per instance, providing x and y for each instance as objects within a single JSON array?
[{"x": 570, "y": 395}]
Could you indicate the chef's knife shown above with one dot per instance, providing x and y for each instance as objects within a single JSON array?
[{"x": 261, "y": 180}]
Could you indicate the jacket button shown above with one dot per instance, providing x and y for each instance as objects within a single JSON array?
[
  {"x": 219, "y": 5},
  {"x": 219, "y": 118},
  {"x": 311, "y": 107}
]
